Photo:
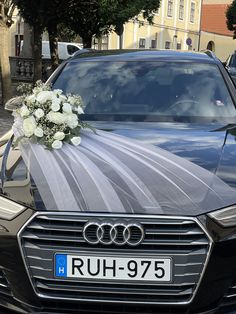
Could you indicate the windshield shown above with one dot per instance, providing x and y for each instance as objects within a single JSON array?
[{"x": 148, "y": 91}]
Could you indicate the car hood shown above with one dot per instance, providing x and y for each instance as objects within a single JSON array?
[
  {"x": 211, "y": 146},
  {"x": 179, "y": 193}
]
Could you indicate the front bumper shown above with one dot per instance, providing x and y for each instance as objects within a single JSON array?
[{"x": 215, "y": 293}]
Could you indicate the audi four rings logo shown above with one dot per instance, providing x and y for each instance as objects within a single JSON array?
[{"x": 118, "y": 233}]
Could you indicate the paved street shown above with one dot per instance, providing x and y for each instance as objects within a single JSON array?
[{"x": 6, "y": 121}]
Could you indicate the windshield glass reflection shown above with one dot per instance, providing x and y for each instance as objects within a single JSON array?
[{"x": 150, "y": 90}]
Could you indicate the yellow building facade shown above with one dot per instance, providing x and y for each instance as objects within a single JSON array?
[
  {"x": 176, "y": 25},
  {"x": 16, "y": 34}
]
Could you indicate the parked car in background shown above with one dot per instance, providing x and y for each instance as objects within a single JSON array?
[
  {"x": 65, "y": 49},
  {"x": 153, "y": 229},
  {"x": 230, "y": 65}
]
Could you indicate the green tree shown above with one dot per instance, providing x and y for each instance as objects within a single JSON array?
[
  {"x": 33, "y": 14},
  {"x": 65, "y": 33},
  {"x": 41, "y": 15},
  {"x": 90, "y": 18},
  {"x": 231, "y": 18},
  {"x": 6, "y": 11}
]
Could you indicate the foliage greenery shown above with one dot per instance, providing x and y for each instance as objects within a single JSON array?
[
  {"x": 231, "y": 18},
  {"x": 91, "y": 18}
]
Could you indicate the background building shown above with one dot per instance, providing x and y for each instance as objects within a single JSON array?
[
  {"x": 176, "y": 25},
  {"x": 214, "y": 33},
  {"x": 16, "y": 35}
]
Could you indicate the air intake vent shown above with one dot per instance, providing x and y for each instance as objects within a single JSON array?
[
  {"x": 96, "y": 308},
  {"x": 4, "y": 285},
  {"x": 180, "y": 239},
  {"x": 230, "y": 297}
]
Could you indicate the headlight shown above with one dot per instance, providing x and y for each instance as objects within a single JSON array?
[
  {"x": 225, "y": 217},
  {"x": 9, "y": 209}
]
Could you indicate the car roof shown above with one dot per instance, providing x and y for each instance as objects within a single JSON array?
[{"x": 143, "y": 55}]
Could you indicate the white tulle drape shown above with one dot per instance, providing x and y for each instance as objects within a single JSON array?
[{"x": 112, "y": 173}]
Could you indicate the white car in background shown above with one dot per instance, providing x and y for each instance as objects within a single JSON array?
[{"x": 65, "y": 49}]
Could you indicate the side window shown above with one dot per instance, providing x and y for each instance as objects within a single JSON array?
[{"x": 71, "y": 49}]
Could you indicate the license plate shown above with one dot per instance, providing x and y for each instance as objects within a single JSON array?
[{"x": 113, "y": 268}]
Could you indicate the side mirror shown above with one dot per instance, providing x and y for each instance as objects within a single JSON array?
[{"x": 14, "y": 103}]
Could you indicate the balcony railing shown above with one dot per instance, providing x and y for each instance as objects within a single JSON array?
[{"x": 22, "y": 69}]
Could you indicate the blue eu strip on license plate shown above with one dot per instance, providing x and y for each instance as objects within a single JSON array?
[{"x": 61, "y": 265}]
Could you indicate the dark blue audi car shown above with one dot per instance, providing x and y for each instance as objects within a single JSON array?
[{"x": 148, "y": 224}]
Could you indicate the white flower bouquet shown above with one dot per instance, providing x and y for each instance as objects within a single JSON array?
[{"x": 51, "y": 118}]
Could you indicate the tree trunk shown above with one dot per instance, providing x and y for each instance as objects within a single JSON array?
[
  {"x": 121, "y": 41},
  {"x": 4, "y": 64},
  {"x": 119, "y": 29},
  {"x": 53, "y": 43},
  {"x": 99, "y": 43},
  {"x": 87, "y": 41},
  {"x": 37, "y": 52}
]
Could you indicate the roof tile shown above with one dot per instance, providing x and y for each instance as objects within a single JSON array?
[{"x": 214, "y": 19}]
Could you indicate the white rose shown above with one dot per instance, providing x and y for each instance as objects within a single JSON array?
[
  {"x": 58, "y": 91},
  {"x": 79, "y": 110},
  {"x": 57, "y": 144},
  {"x": 67, "y": 107},
  {"x": 45, "y": 96},
  {"x": 38, "y": 132},
  {"x": 72, "y": 120},
  {"x": 59, "y": 136},
  {"x": 55, "y": 106},
  {"x": 24, "y": 111},
  {"x": 29, "y": 126},
  {"x": 76, "y": 140},
  {"x": 39, "y": 113},
  {"x": 56, "y": 117}
]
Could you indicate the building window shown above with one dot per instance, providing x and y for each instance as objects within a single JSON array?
[
  {"x": 167, "y": 45},
  {"x": 153, "y": 44},
  {"x": 181, "y": 9},
  {"x": 100, "y": 43},
  {"x": 170, "y": 8},
  {"x": 192, "y": 12},
  {"x": 178, "y": 46},
  {"x": 142, "y": 43}
]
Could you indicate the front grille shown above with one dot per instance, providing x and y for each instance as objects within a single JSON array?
[
  {"x": 4, "y": 285},
  {"x": 181, "y": 239}
]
